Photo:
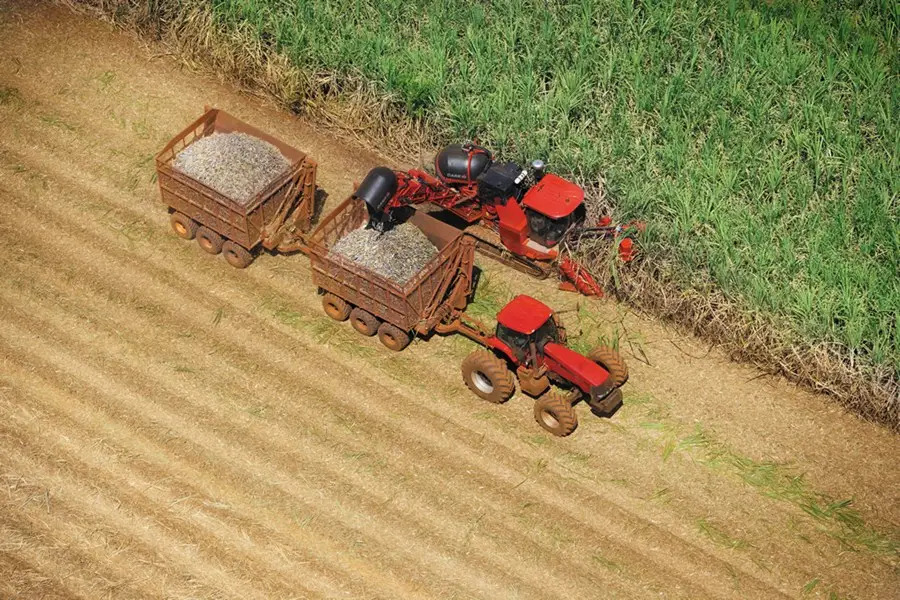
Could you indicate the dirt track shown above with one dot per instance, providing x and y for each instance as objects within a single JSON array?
[{"x": 176, "y": 428}]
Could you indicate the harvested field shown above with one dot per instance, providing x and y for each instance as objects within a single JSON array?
[
  {"x": 171, "y": 427},
  {"x": 397, "y": 254},
  {"x": 237, "y": 165}
]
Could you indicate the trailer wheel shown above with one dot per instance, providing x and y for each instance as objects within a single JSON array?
[
  {"x": 554, "y": 413},
  {"x": 336, "y": 307},
  {"x": 184, "y": 226},
  {"x": 209, "y": 240},
  {"x": 393, "y": 337},
  {"x": 611, "y": 361},
  {"x": 488, "y": 377},
  {"x": 236, "y": 255},
  {"x": 364, "y": 322}
]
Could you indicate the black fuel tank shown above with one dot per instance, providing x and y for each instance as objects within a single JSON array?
[
  {"x": 377, "y": 189},
  {"x": 458, "y": 164}
]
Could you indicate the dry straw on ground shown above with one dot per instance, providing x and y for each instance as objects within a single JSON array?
[
  {"x": 399, "y": 254},
  {"x": 353, "y": 108},
  {"x": 236, "y": 165}
]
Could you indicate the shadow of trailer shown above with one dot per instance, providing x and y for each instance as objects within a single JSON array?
[
  {"x": 277, "y": 218},
  {"x": 374, "y": 304}
]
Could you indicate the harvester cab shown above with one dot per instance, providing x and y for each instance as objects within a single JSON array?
[{"x": 533, "y": 209}]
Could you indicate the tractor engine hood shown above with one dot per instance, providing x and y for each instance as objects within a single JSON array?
[{"x": 580, "y": 370}]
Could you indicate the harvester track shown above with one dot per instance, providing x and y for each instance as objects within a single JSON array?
[{"x": 488, "y": 242}]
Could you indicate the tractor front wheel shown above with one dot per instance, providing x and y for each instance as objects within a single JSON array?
[
  {"x": 612, "y": 362},
  {"x": 554, "y": 413},
  {"x": 488, "y": 377}
]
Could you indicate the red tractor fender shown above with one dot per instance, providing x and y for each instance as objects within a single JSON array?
[{"x": 494, "y": 343}]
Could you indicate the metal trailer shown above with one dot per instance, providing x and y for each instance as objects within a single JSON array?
[
  {"x": 277, "y": 218},
  {"x": 373, "y": 303}
]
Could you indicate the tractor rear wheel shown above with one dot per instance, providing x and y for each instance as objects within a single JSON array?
[
  {"x": 364, "y": 322},
  {"x": 184, "y": 226},
  {"x": 336, "y": 307},
  {"x": 488, "y": 377},
  {"x": 612, "y": 362},
  {"x": 393, "y": 337},
  {"x": 209, "y": 240},
  {"x": 236, "y": 255},
  {"x": 554, "y": 413}
]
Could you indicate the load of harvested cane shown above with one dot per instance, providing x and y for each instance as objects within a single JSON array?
[
  {"x": 397, "y": 254},
  {"x": 237, "y": 165}
]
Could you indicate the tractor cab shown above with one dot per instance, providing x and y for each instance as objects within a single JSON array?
[
  {"x": 553, "y": 206},
  {"x": 526, "y": 325}
]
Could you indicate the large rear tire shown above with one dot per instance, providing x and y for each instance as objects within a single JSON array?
[
  {"x": 554, "y": 413},
  {"x": 236, "y": 255},
  {"x": 613, "y": 362},
  {"x": 393, "y": 337},
  {"x": 488, "y": 377},
  {"x": 336, "y": 307},
  {"x": 364, "y": 322},
  {"x": 209, "y": 240},
  {"x": 184, "y": 226}
]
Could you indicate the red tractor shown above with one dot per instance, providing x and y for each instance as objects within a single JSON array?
[
  {"x": 521, "y": 217},
  {"x": 530, "y": 340}
]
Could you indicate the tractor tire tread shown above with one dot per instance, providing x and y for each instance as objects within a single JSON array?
[
  {"x": 555, "y": 413},
  {"x": 492, "y": 368},
  {"x": 613, "y": 362}
]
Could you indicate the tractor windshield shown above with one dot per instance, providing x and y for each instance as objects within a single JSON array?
[
  {"x": 517, "y": 342},
  {"x": 546, "y": 333},
  {"x": 549, "y": 232},
  {"x": 520, "y": 343}
]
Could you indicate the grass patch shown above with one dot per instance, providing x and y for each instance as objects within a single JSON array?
[
  {"x": 59, "y": 123},
  {"x": 490, "y": 296},
  {"x": 816, "y": 587},
  {"x": 10, "y": 96},
  {"x": 780, "y": 481},
  {"x": 720, "y": 536},
  {"x": 606, "y": 563}
]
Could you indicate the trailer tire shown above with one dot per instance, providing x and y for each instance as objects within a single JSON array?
[
  {"x": 554, "y": 413},
  {"x": 236, "y": 255},
  {"x": 488, "y": 377},
  {"x": 393, "y": 337},
  {"x": 612, "y": 362},
  {"x": 336, "y": 307},
  {"x": 209, "y": 240},
  {"x": 184, "y": 226},
  {"x": 364, "y": 322}
]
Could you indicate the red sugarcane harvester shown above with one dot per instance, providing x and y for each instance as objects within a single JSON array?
[{"x": 525, "y": 218}]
